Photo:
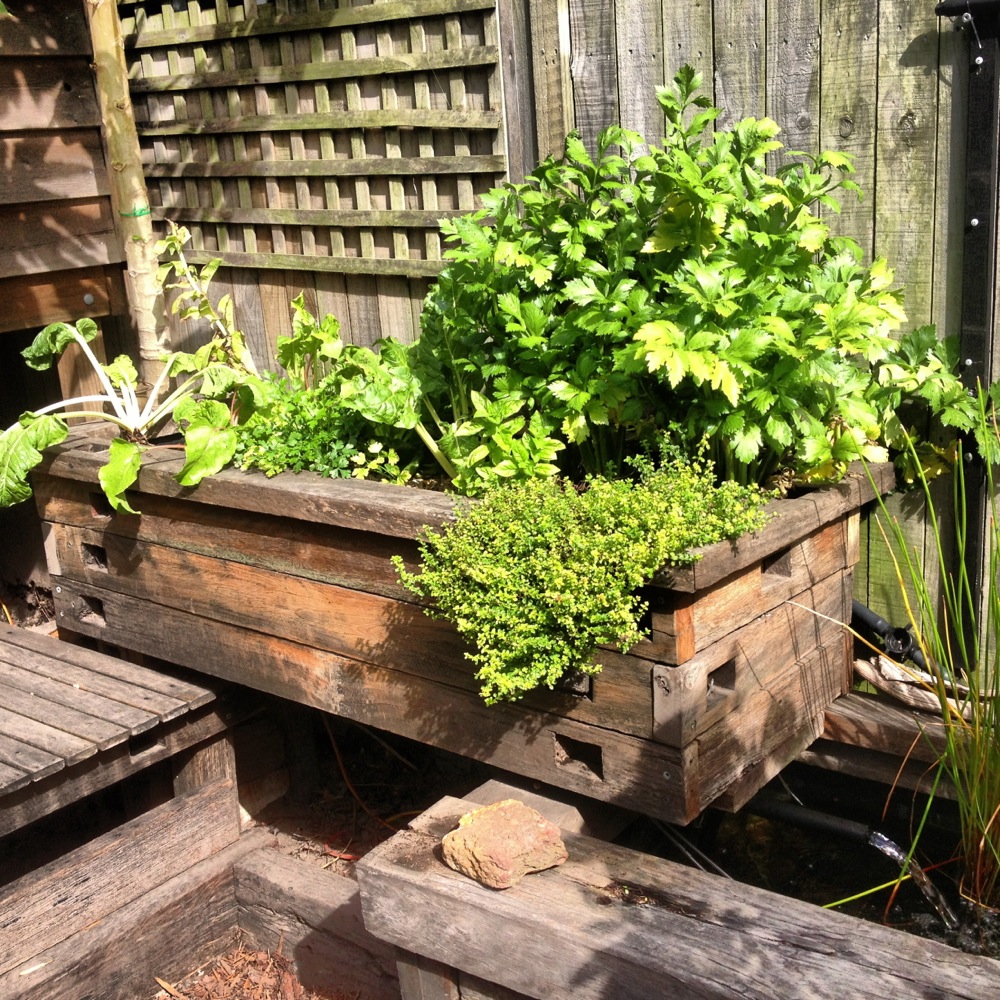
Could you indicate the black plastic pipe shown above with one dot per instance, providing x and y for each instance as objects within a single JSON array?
[
  {"x": 899, "y": 642},
  {"x": 787, "y": 811}
]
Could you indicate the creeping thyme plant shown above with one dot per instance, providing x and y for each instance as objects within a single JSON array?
[{"x": 540, "y": 573}]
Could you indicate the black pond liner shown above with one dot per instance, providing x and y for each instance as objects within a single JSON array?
[{"x": 832, "y": 861}]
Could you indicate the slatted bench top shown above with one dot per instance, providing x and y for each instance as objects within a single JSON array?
[{"x": 61, "y": 705}]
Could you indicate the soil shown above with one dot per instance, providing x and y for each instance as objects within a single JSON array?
[
  {"x": 246, "y": 974},
  {"x": 26, "y": 606}
]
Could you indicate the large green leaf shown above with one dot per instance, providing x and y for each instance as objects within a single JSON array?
[
  {"x": 54, "y": 339},
  {"x": 120, "y": 472},
  {"x": 21, "y": 447},
  {"x": 209, "y": 439}
]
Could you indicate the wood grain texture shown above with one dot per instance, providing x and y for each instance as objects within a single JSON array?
[
  {"x": 45, "y": 907},
  {"x": 315, "y": 915},
  {"x": 594, "y": 68},
  {"x": 577, "y": 935},
  {"x": 176, "y": 927}
]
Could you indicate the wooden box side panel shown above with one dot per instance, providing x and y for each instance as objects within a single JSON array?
[
  {"x": 44, "y": 907},
  {"x": 684, "y": 623},
  {"x": 690, "y": 697},
  {"x": 365, "y": 626},
  {"x": 595, "y": 760}
]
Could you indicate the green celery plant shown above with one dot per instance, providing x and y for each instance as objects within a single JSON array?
[
  {"x": 611, "y": 297},
  {"x": 958, "y": 634}
]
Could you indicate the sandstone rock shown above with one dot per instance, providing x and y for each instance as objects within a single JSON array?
[{"x": 499, "y": 844}]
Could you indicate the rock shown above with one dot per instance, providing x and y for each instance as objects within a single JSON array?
[{"x": 499, "y": 844}]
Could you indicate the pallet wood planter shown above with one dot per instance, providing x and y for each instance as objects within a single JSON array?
[
  {"x": 611, "y": 922},
  {"x": 286, "y": 585}
]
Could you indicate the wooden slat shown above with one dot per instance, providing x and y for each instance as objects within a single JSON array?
[
  {"x": 30, "y": 760},
  {"x": 740, "y": 54},
  {"x": 43, "y": 28},
  {"x": 129, "y": 719},
  {"x": 399, "y": 118},
  {"x": 45, "y": 737},
  {"x": 45, "y": 907},
  {"x": 639, "y": 40},
  {"x": 32, "y": 96},
  {"x": 383, "y": 219},
  {"x": 52, "y": 166},
  {"x": 41, "y": 794},
  {"x": 107, "y": 675},
  {"x": 62, "y": 296},
  {"x": 336, "y": 265},
  {"x": 421, "y": 62},
  {"x": 282, "y": 23},
  {"x": 56, "y": 715},
  {"x": 56, "y": 236}
]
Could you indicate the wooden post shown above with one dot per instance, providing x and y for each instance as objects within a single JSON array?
[{"x": 129, "y": 198}]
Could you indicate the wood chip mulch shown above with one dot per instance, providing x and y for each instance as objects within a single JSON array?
[{"x": 247, "y": 974}]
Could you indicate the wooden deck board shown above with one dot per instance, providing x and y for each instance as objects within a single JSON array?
[{"x": 61, "y": 705}]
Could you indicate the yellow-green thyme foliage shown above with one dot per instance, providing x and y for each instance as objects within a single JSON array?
[{"x": 539, "y": 573}]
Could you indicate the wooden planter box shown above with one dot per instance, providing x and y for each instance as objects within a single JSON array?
[
  {"x": 612, "y": 922},
  {"x": 286, "y": 585}
]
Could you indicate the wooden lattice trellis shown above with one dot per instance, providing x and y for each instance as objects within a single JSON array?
[{"x": 316, "y": 135}]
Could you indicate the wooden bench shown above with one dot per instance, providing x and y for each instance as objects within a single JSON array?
[{"x": 74, "y": 722}]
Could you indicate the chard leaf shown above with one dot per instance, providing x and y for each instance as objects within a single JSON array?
[
  {"x": 209, "y": 439},
  {"x": 120, "y": 472},
  {"x": 21, "y": 447},
  {"x": 53, "y": 340}
]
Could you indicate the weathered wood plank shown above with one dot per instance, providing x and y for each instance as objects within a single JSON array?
[
  {"x": 22, "y": 804},
  {"x": 633, "y": 772},
  {"x": 418, "y": 62},
  {"x": 594, "y": 70},
  {"x": 28, "y": 759},
  {"x": 849, "y": 91},
  {"x": 64, "y": 296},
  {"x": 740, "y": 59},
  {"x": 36, "y": 93},
  {"x": 880, "y": 724},
  {"x": 689, "y": 698},
  {"x": 612, "y": 922},
  {"x": 793, "y": 73},
  {"x": 57, "y": 715},
  {"x": 688, "y": 39},
  {"x": 168, "y": 931},
  {"x": 361, "y": 119},
  {"x": 416, "y": 166},
  {"x": 687, "y": 623},
  {"x": 284, "y": 22},
  {"x": 51, "y": 655},
  {"x": 47, "y": 738},
  {"x": 412, "y": 218},
  {"x": 518, "y": 94},
  {"x": 392, "y": 510},
  {"x": 44, "y": 29},
  {"x": 49, "y": 167},
  {"x": 639, "y": 39},
  {"x": 316, "y": 914},
  {"x": 45, "y": 907},
  {"x": 359, "y": 266}
]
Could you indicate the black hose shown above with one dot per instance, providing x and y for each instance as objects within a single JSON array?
[
  {"x": 899, "y": 642},
  {"x": 787, "y": 811}
]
